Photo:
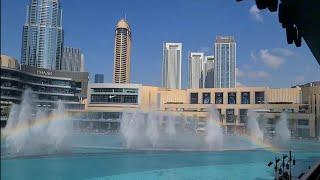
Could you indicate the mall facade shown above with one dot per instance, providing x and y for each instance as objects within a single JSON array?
[
  {"x": 48, "y": 86},
  {"x": 107, "y": 101}
]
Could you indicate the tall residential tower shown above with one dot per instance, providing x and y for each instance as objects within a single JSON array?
[
  {"x": 208, "y": 72},
  {"x": 196, "y": 67},
  {"x": 122, "y": 52},
  {"x": 171, "y": 67},
  {"x": 225, "y": 62},
  {"x": 42, "y": 41}
]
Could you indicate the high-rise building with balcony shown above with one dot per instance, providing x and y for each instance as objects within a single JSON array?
[
  {"x": 72, "y": 60},
  {"x": 171, "y": 67},
  {"x": 196, "y": 67},
  {"x": 42, "y": 40},
  {"x": 208, "y": 72},
  {"x": 122, "y": 52},
  {"x": 225, "y": 62}
]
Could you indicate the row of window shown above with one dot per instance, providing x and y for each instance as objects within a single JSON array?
[
  {"x": 231, "y": 117},
  {"x": 232, "y": 98},
  {"x": 40, "y": 80},
  {"x": 114, "y": 99},
  {"x": 124, "y": 90}
]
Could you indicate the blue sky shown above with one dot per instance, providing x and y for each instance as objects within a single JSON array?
[{"x": 263, "y": 56}]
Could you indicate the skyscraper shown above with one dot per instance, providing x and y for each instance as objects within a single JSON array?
[
  {"x": 72, "y": 59},
  {"x": 122, "y": 52},
  {"x": 42, "y": 41},
  {"x": 98, "y": 78},
  {"x": 225, "y": 62},
  {"x": 171, "y": 67},
  {"x": 196, "y": 67},
  {"x": 208, "y": 72}
]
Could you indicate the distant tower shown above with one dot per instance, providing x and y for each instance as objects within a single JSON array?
[
  {"x": 98, "y": 78},
  {"x": 225, "y": 62},
  {"x": 42, "y": 38},
  {"x": 72, "y": 59},
  {"x": 122, "y": 52},
  {"x": 208, "y": 72},
  {"x": 196, "y": 67},
  {"x": 171, "y": 67}
]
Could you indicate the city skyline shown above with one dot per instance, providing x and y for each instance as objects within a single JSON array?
[{"x": 260, "y": 64}]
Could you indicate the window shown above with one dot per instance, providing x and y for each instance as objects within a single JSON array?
[
  {"x": 243, "y": 115},
  {"x": 302, "y": 132},
  {"x": 219, "y": 98},
  {"x": 303, "y": 122},
  {"x": 232, "y": 98},
  {"x": 230, "y": 118},
  {"x": 259, "y": 97},
  {"x": 245, "y": 98},
  {"x": 194, "y": 98},
  {"x": 206, "y": 98}
]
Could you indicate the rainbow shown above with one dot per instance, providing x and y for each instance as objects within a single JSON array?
[
  {"x": 67, "y": 116},
  {"x": 38, "y": 123}
]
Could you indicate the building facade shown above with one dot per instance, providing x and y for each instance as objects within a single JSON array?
[
  {"x": 98, "y": 78},
  {"x": 122, "y": 52},
  {"x": 196, "y": 70},
  {"x": 225, "y": 62},
  {"x": 232, "y": 104},
  {"x": 48, "y": 86},
  {"x": 43, "y": 36},
  {"x": 311, "y": 96},
  {"x": 72, "y": 59},
  {"x": 208, "y": 72},
  {"x": 171, "y": 66}
]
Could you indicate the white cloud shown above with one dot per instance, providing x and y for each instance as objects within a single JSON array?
[
  {"x": 255, "y": 13},
  {"x": 273, "y": 58},
  {"x": 252, "y": 74},
  {"x": 270, "y": 59}
]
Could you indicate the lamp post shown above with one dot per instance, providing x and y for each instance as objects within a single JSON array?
[{"x": 281, "y": 171}]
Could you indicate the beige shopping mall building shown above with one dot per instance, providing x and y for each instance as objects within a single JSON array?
[{"x": 301, "y": 105}]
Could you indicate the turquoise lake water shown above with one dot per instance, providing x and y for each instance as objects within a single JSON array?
[
  {"x": 104, "y": 163},
  {"x": 150, "y": 165}
]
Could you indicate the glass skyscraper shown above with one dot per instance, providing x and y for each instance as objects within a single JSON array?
[
  {"x": 225, "y": 62},
  {"x": 42, "y": 41},
  {"x": 171, "y": 67}
]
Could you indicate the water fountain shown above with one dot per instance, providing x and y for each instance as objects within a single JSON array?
[
  {"x": 164, "y": 131},
  {"x": 214, "y": 135},
  {"x": 35, "y": 131},
  {"x": 39, "y": 131},
  {"x": 282, "y": 133},
  {"x": 253, "y": 125}
]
